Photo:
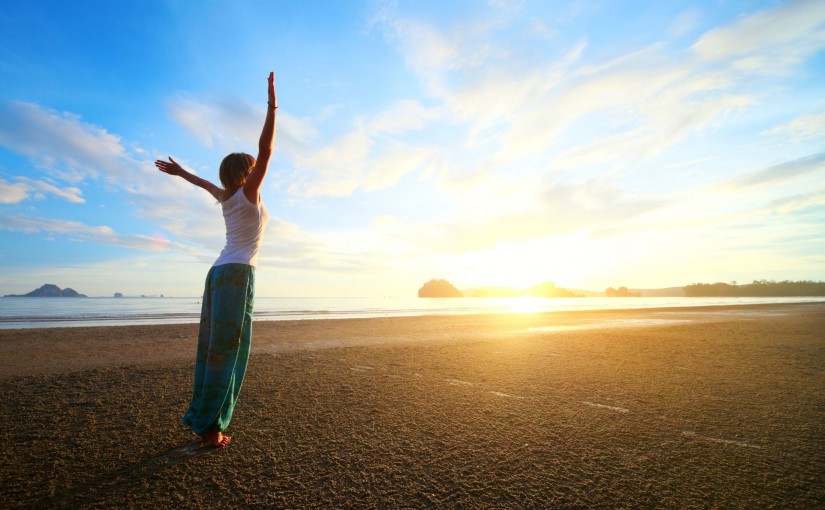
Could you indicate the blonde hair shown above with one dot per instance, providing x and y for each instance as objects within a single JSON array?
[{"x": 235, "y": 168}]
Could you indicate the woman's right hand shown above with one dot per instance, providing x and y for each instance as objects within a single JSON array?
[{"x": 170, "y": 167}]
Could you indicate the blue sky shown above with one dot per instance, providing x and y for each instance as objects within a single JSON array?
[{"x": 591, "y": 144}]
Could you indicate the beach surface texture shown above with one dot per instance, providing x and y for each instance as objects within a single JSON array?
[{"x": 718, "y": 407}]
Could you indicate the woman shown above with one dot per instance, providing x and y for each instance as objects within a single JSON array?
[{"x": 226, "y": 314}]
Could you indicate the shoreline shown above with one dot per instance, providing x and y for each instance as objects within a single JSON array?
[
  {"x": 722, "y": 407},
  {"x": 186, "y": 311},
  {"x": 40, "y": 351}
]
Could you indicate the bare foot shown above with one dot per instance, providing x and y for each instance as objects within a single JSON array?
[{"x": 216, "y": 439}]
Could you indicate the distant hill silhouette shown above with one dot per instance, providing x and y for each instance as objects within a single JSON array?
[
  {"x": 549, "y": 289},
  {"x": 443, "y": 288},
  {"x": 621, "y": 292},
  {"x": 439, "y": 289},
  {"x": 50, "y": 290}
]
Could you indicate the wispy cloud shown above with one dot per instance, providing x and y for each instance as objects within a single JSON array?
[
  {"x": 798, "y": 202},
  {"x": 370, "y": 156},
  {"x": 41, "y": 188},
  {"x": 338, "y": 167},
  {"x": 12, "y": 193},
  {"x": 230, "y": 122},
  {"x": 101, "y": 234},
  {"x": 806, "y": 127},
  {"x": 781, "y": 172},
  {"x": 58, "y": 142},
  {"x": 685, "y": 22},
  {"x": 234, "y": 124},
  {"x": 772, "y": 42},
  {"x": 558, "y": 209},
  {"x": 574, "y": 115}
]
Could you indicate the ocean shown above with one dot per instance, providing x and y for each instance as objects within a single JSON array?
[{"x": 68, "y": 312}]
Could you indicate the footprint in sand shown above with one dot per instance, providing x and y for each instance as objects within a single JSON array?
[
  {"x": 689, "y": 433},
  {"x": 506, "y": 395},
  {"x": 605, "y": 406}
]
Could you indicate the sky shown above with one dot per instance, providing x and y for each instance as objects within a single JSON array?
[{"x": 588, "y": 143}]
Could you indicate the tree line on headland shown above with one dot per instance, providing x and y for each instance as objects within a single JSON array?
[
  {"x": 439, "y": 288},
  {"x": 758, "y": 288}
]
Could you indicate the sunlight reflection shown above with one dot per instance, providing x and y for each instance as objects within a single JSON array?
[{"x": 526, "y": 304}]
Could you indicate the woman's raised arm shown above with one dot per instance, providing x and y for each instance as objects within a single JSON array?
[
  {"x": 172, "y": 167},
  {"x": 252, "y": 186}
]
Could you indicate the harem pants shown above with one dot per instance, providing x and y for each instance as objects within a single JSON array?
[{"x": 223, "y": 347}]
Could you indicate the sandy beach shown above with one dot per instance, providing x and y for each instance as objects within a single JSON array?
[{"x": 672, "y": 408}]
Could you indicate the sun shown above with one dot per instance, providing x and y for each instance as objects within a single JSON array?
[{"x": 561, "y": 260}]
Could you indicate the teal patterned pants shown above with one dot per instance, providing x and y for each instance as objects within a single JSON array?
[{"x": 223, "y": 347}]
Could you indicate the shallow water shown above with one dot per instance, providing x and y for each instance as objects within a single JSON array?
[{"x": 66, "y": 312}]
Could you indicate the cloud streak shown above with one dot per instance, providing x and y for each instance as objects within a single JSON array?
[
  {"x": 101, "y": 234},
  {"x": 767, "y": 42},
  {"x": 59, "y": 143},
  {"x": 784, "y": 171}
]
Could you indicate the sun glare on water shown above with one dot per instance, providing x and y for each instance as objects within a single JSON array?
[{"x": 526, "y": 304}]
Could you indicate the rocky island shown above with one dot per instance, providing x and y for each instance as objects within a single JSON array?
[{"x": 50, "y": 290}]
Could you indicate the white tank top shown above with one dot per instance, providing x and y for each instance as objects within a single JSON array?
[{"x": 245, "y": 224}]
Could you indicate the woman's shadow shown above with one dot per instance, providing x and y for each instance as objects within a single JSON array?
[{"x": 126, "y": 477}]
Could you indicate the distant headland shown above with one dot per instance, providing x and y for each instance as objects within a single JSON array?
[
  {"x": 442, "y": 288},
  {"x": 50, "y": 290},
  {"x": 758, "y": 288}
]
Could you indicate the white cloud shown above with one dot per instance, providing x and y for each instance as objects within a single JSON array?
[
  {"x": 425, "y": 50},
  {"x": 12, "y": 193},
  {"x": 685, "y": 23},
  {"x": 25, "y": 187},
  {"x": 768, "y": 42},
  {"x": 234, "y": 124},
  {"x": 101, "y": 234},
  {"x": 402, "y": 116},
  {"x": 780, "y": 172},
  {"x": 806, "y": 127},
  {"x": 59, "y": 143},
  {"x": 370, "y": 156},
  {"x": 556, "y": 209},
  {"x": 653, "y": 95},
  {"x": 571, "y": 116},
  {"x": 798, "y": 202},
  {"x": 390, "y": 166},
  {"x": 71, "y": 193}
]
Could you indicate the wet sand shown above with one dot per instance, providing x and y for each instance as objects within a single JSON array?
[{"x": 690, "y": 408}]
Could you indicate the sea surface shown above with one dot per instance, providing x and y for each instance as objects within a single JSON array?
[{"x": 67, "y": 312}]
